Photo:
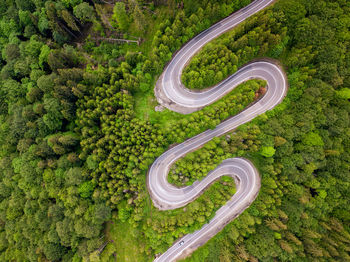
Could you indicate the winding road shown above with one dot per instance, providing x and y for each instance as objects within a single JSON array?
[{"x": 172, "y": 94}]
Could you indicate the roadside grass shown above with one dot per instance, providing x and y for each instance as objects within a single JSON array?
[
  {"x": 152, "y": 20},
  {"x": 144, "y": 106},
  {"x": 168, "y": 118},
  {"x": 210, "y": 251},
  {"x": 209, "y": 193},
  {"x": 146, "y": 102},
  {"x": 126, "y": 241}
]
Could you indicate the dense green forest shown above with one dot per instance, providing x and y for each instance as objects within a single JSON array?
[{"x": 78, "y": 130}]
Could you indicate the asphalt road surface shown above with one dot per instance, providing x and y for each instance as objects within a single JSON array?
[{"x": 172, "y": 94}]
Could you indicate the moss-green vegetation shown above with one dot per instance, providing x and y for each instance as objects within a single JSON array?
[
  {"x": 230, "y": 105},
  {"x": 196, "y": 165},
  {"x": 78, "y": 130},
  {"x": 126, "y": 242},
  {"x": 297, "y": 159},
  {"x": 224, "y": 55},
  {"x": 162, "y": 228}
]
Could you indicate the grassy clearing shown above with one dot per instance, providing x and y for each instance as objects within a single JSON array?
[
  {"x": 153, "y": 20},
  {"x": 145, "y": 109},
  {"x": 129, "y": 241},
  {"x": 210, "y": 250},
  {"x": 146, "y": 102},
  {"x": 218, "y": 194},
  {"x": 126, "y": 241},
  {"x": 145, "y": 105}
]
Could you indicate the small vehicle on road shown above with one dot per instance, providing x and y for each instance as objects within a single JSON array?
[{"x": 181, "y": 243}]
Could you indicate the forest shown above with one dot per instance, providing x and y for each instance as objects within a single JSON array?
[{"x": 79, "y": 130}]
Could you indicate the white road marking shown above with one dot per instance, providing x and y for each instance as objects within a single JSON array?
[{"x": 166, "y": 196}]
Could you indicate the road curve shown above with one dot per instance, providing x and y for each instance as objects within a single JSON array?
[
  {"x": 169, "y": 90},
  {"x": 172, "y": 94}
]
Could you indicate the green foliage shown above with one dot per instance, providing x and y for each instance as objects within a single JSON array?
[
  {"x": 70, "y": 140},
  {"x": 139, "y": 19},
  {"x": 120, "y": 15},
  {"x": 124, "y": 211},
  {"x": 267, "y": 151},
  {"x": 304, "y": 169},
  {"x": 84, "y": 12},
  {"x": 222, "y": 57},
  {"x": 313, "y": 139},
  {"x": 91, "y": 163},
  {"x": 71, "y": 3},
  {"x": 37, "y": 115},
  {"x": 10, "y": 52},
  {"x": 344, "y": 93},
  {"x": 196, "y": 165},
  {"x": 85, "y": 189},
  {"x": 163, "y": 227},
  {"x": 193, "y": 19}
]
